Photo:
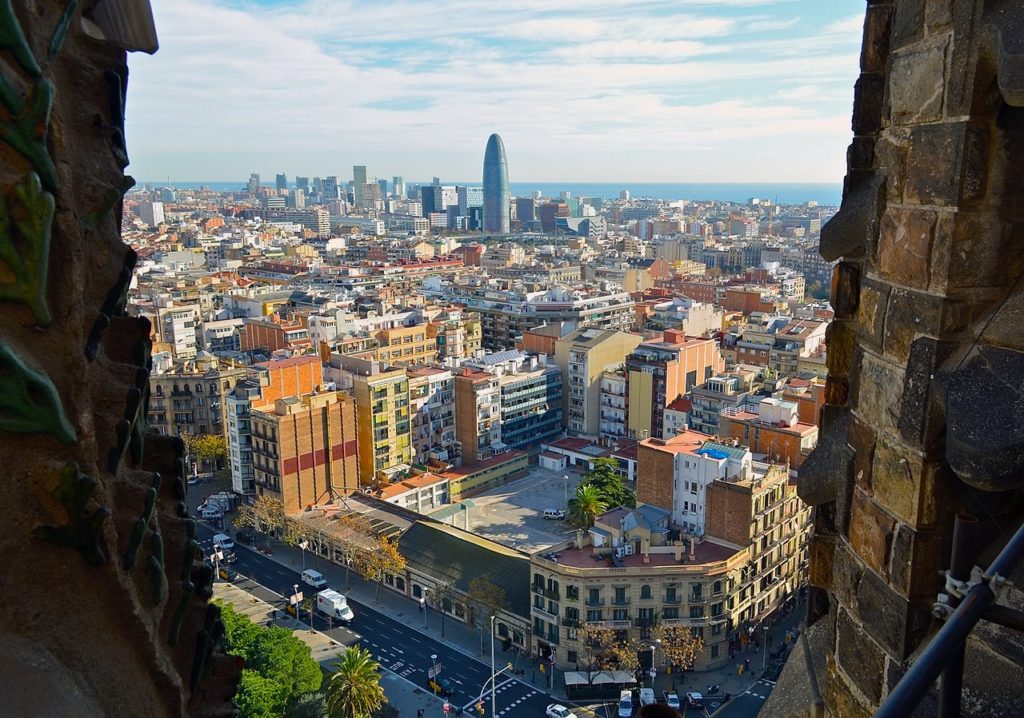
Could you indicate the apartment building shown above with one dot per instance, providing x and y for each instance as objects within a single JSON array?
[
  {"x": 625, "y": 574},
  {"x": 612, "y": 400},
  {"x": 763, "y": 512},
  {"x": 263, "y": 385},
  {"x": 304, "y": 449},
  {"x": 274, "y": 334},
  {"x": 177, "y": 329},
  {"x": 457, "y": 334},
  {"x": 384, "y": 422},
  {"x": 190, "y": 398},
  {"x": 432, "y": 407},
  {"x": 477, "y": 415},
  {"x": 674, "y": 474},
  {"x": 771, "y": 427},
  {"x": 722, "y": 391},
  {"x": 529, "y": 396},
  {"x": 583, "y": 356},
  {"x": 406, "y": 345},
  {"x": 657, "y": 372}
]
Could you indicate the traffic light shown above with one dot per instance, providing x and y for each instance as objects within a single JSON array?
[{"x": 480, "y": 707}]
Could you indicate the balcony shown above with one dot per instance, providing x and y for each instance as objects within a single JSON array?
[
  {"x": 571, "y": 622},
  {"x": 541, "y": 613},
  {"x": 672, "y": 600},
  {"x": 623, "y": 601},
  {"x": 595, "y": 602}
]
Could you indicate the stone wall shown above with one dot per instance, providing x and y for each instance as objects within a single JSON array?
[
  {"x": 106, "y": 597},
  {"x": 925, "y": 413}
]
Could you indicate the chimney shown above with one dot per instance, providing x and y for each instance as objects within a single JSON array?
[
  {"x": 693, "y": 548},
  {"x": 678, "y": 548}
]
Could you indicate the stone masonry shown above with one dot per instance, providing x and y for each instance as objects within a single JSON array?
[
  {"x": 106, "y": 609},
  {"x": 925, "y": 394}
]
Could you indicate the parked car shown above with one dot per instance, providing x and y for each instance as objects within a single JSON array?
[
  {"x": 555, "y": 514},
  {"x": 441, "y": 686},
  {"x": 647, "y": 697},
  {"x": 229, "y": 556},
  {"x": 556, "y": 710},
  {"x": 223, "y": 542},
  {"x": 695, "y": 699},
  {"x": 672, "y": 699}
]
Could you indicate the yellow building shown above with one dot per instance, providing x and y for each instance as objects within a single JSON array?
[
  {"x": 383, "y": 424},
  {"x": 457, "y": 334},
  {"x": 583, "y": 356},
  {"x": 406, "y": 346}
]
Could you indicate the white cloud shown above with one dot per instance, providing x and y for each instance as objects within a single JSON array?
[{"x": 315, "y": 88}]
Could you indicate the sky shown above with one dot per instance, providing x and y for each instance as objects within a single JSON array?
[{"x": 579, "y": 90}]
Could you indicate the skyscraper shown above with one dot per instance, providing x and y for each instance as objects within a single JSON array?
[
  {"x": 358, "y": 184},
  {"x": 495, "y": 187},
  {"x": 399, "y": 186},
  {"x": 281, "y": 181}
]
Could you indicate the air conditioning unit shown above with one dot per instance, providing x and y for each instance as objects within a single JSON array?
[
  {"x": 628, "y": 549},
  {"x": 620, "y": 552}
]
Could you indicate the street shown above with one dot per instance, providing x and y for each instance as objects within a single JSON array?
[{"x": 399, "y": 648}]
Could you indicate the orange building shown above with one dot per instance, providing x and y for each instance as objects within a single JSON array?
[
  {"x": 304, "y": 449},
  {"x": 772, "y": 428},
  {"x": 273, "y": 334},
  {"x": 286, "y": 377}
]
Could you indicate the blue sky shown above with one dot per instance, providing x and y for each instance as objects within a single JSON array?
[{"x": 580, "y": 90}]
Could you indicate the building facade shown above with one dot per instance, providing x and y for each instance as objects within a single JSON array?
[
  {"x": 496, "y": 192},
  {"x": 384, "y": 424},
  {"x": 583, "y": 357}
]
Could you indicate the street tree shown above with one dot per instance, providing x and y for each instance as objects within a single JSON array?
[
  {"x": 594, "y": 642},
  {"x": 382, "y": 560},
  {"x": 354, "y": 690},
  {"x": 353, "y": 536},
  {"x": 488, "y": 600},
  {"x": 680, "y": 645},
  {"x": 265, "y": 515},
  {"x": 441, "y": 596},
  {"x": 208, "y": 448},
  {"x": 278, "y": 666},
  {"x": 586, "y": 506}
]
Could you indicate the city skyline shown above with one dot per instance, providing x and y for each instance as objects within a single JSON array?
[{"x": 715, "y": 91}]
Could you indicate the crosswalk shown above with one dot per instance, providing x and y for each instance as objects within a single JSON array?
[{"x": 503, "y": 693}]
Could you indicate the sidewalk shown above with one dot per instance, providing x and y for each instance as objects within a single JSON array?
[{"x": 406, "y": 610}]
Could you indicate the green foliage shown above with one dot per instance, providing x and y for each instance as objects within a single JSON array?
[
  {"x": 818, "y": 291},
  {"x": 354, "y": 690},
  {"x": 281, "y": 665},
  {"x": 610, "y": 486},
  {"x": 207, "y": 447},
  {"x": 310, "y": 705},
  {"x": 29, "y": 403},
  {"x": 586, "y": 505}
]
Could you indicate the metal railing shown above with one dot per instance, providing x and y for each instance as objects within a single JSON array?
[{"x": 969, "y": 596}]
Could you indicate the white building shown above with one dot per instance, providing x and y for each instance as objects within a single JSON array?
[{"x": 151, "y": 213}]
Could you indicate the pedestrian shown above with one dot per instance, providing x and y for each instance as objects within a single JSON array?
[{"x": 419, "y": 713}]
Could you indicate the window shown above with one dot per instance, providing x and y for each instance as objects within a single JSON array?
[
  {"x": 670, "y": 612},
  {"x": 696, "y": 612},
  {"x": 572, "y": 593},
  {"x": 714, "y": 651},
  {"x": 573, "y": 656},
  {"x": 645, "y": 591},
  {"x": 716, "y": 630},
  {"x": 717, "y": 589},
  {"x": 620, "y": 614},
  {"x": 593, "y": 614},
  {"x": 594, "y": 596},
  {"x": 620, "y": 595}
]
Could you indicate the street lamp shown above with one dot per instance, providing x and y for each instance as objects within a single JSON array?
[
  {"x": 494, "y": 711},
  {"x": 303, "y": 544},
  {"x": 423, "y": 609},
  {"x": 565, "y": 487},
  {"x": 433, "y": 662},
  {"x": 295, "y": 599}
]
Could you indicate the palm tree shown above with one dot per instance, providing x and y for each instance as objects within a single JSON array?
[
  {"x": 354, "y": 690},
  {"x": 586, "y": 506}
]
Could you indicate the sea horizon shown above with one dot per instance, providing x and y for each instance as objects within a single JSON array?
[{"x": 789, "y": 193}]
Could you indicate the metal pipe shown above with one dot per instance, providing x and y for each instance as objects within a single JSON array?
[
  {"x": 915, "y": 683},
  {"x": 965, "y": 530},
  {"x": 1004, "y": 616}
]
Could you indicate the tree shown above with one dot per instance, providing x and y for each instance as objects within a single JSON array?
[
  {"x": 278, "y": 666},
  {"x": 605, "y": 476},
  {"x": 441, "y": 596},
  {"x": 489, "y": 599},
  {"x": 354, "y": 690},
  {"x": 352, "y": 535},
  {"x": 586, "y": 506},
  {"x": 383, "y": 559},
  {"x": 605, "y": 649},
  {"x": 680, "y": 645},
  {"x": 309, "y": 705},
  {"x": 264, "y": 515}
]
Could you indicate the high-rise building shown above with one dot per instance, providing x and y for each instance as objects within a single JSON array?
[
  {"x": 254, "y": 183},
  {"x": 358, "y": 184},
  {"x": 281, "y": 181},
  {"x": 469, "y": 197},
  {"x": 302, "y": 183},
  {"x": 382, "y": 411},
  {"x": 583, "y": 356},
  {"x": 383, "y": 184},
  {"x": 496, "y": 197},
  {"x": 151, "y": 213},
  {"x": 398, "y": 186},
  {"x": 329, "y": 188},
  {"x": 526, "y": 209}
]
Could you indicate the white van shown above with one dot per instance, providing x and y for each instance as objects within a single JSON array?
[
  {"x": 647, "y": 697},
  {"x": 223, "y": 542},
  {"x": 314, "y": 579},
  {"x": 626, "y": 704},
  {"x": 557, "y": 514}
]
